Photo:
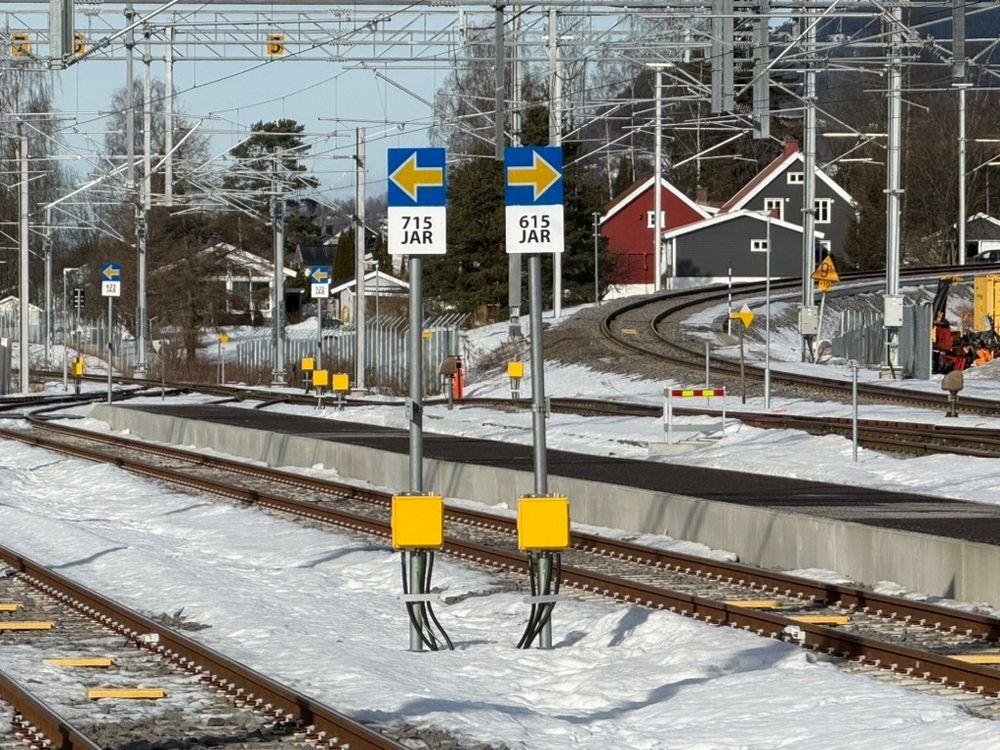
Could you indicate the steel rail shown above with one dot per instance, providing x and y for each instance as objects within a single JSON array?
[
  {"x": 235, "y": 679},
  {"x": 849, "y": 645},
  {"x": 754, "y": 578},
  {"x": 694, "y": 359},
  {"x": 38, "y": 723}
]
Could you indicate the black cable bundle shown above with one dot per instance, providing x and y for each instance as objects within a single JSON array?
[
  {"x": 421, "y": 614},
  {"x": 541, "y": 613}
]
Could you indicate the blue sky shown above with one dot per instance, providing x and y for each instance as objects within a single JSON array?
[{"x": 325, "y": 97}]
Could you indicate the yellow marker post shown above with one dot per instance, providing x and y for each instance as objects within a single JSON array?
[
  {"x": 744, "y": 315},
  {"x": 515, "y": 371},
  {"x": 127, "y": 693},
  {"x": 223, "y": 340},
  {"x": 307, "y": 364},
  {"x": 542, "y": 530}
]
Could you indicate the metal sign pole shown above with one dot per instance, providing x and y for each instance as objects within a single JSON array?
[
  {"x": 417, "y": 557},
  {"x": 111, "y": 302},
  {"x": 767, "y": 319},
  {"x": 854, "y": 407},
  {"x": 743, "y": 382}
]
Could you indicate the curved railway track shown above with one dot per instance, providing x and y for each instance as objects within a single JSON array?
[
  {"x": 639, "y": 326},
  {"x": 912, "y": 637}
]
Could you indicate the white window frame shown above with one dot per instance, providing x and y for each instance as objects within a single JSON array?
[
  {"x": 778, "y": 203},
  {"x": 825, "y": 246},
  {"x": 819, "y": 205},
  {"x": 795, "y": 178},
  {"x": 758, "y": 246},
  {"x": 651, "y": 221}
]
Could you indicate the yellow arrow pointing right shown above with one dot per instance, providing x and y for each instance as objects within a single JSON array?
[{"x": 540, "y": 175}]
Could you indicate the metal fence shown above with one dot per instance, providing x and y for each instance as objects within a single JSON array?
[
  {"x": 89, "y": 336},
  {"x": 5, "y": 382},
  {"x": 386, "y": 355},
  {"x": 862, "y": 338}
]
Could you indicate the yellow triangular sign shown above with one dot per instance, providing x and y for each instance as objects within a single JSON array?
[
  {"x": 745, "y": 314},
  {"x": 826, "y": 271}
]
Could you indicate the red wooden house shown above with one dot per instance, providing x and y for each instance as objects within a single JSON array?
[{"x": 628, "y": 224}]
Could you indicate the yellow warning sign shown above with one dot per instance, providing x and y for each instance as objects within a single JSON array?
[
  {"x": 745, "y": 314},
  {"x": 826, "y": 272}
]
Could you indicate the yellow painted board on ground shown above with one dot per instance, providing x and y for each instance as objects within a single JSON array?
[
  {"x": 822, "y": 619},
  {"x": 95, "y": 661},
  {"x": 127, "y": 693},
  {"x": 9, "y": 606},
  {"x": 978, "y": 658},
  {"x": 28, "y": 625},
  {"x": 629, "y": 331},
  {"x": 754, "y": 603}
]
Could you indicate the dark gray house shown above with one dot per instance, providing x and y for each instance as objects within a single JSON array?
[
  {"x": 735, "y": 242},
  {"x": 778, "y": 188}
]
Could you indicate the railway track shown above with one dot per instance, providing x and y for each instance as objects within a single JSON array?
[
  {"x": 648, "y": 327},
  {"x": 913, "y": 638},
  {"x": 189, "y": 691}
]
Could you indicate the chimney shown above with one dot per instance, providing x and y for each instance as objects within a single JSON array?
[
  {"x": 791, "y": 146},
  {"x": 701, "y": 195}
]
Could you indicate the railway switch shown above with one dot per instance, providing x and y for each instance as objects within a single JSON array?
[{"x": 417, "y": 522}]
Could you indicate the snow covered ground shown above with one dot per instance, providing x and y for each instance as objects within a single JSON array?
[{"x": 619, "y": 677}]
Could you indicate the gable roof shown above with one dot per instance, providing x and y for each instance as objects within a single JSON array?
[
  {"x": 387, "y": 283},
  {"x": 723, "y": 217},
  {"x": 243, "y": 262},
  {"x": 639, "y": 187},
  {"x": 768, "y": 174},
  {"x": 982, "y": 227}
]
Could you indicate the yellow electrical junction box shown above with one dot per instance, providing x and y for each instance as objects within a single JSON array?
[
  {"x": 321, "y": 378},
  {"x": 515, "y": 369},
  {"x": 543, "y": 523},
  {"x": 417, "y": 521},
  {"x": 308, "y": 364},
  {"x": 77, "y": 368},
  {"x": 341, "y": 382}
]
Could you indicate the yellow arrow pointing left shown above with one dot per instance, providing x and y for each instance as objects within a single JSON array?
[
  {"x": 408, "y": 177},
  {"x": 540, "y": 175}
]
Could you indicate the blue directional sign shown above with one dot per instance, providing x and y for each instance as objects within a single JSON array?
[
  {"x": 416, "y": 177},
  {"x": 319, "y": 278},
  {"x": 534, "y": 196},
  {"x": 111, "y": 280},
  {"x": 534, "y": 176},
  {"x": 417, "y": 199}
]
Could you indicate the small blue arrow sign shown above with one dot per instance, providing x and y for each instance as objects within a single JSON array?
[
  {"x": 416, "y": 177},
  {"x": 111, "y": 271},
  {"x": 319, "y": 274},
  {"x": 533, "y": 176}
]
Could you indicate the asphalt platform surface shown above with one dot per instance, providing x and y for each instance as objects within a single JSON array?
[{"x": 954, "y": 519}]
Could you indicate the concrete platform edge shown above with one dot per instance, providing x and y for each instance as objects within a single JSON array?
[{"x": 934, "y": 565}]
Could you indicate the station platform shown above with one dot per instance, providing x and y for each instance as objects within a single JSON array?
[{"x": 937, "y": 546}]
